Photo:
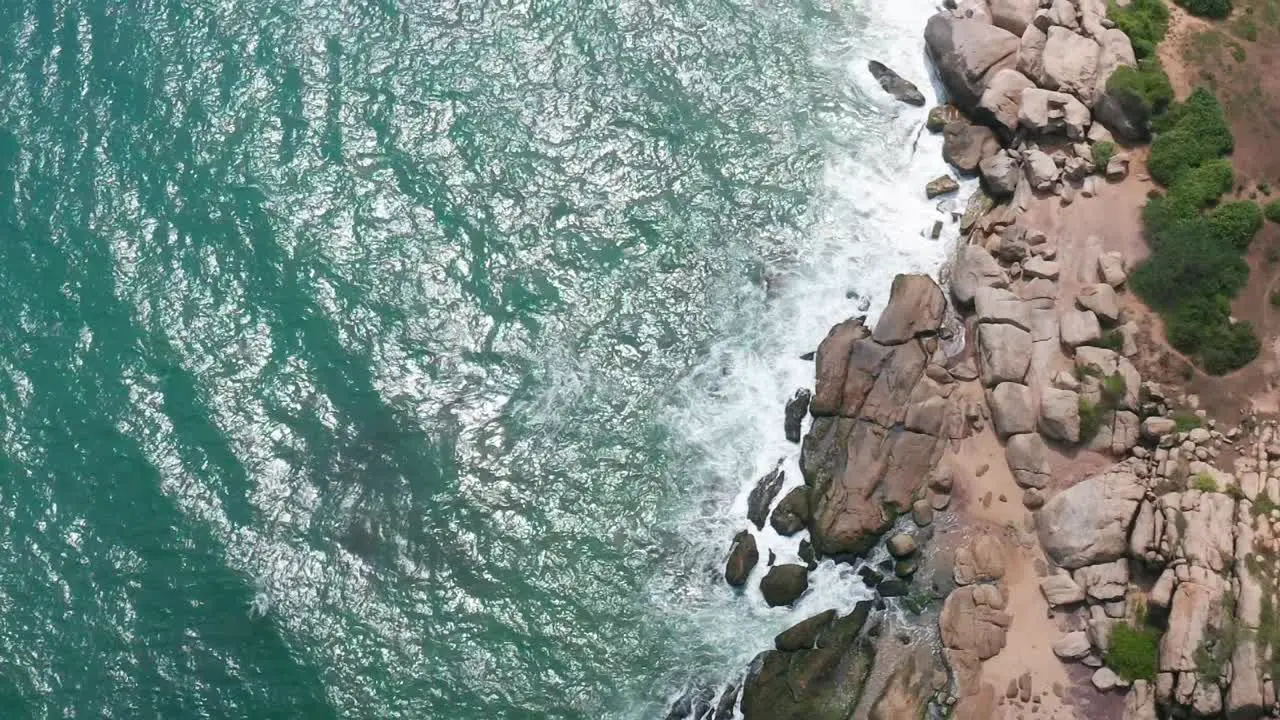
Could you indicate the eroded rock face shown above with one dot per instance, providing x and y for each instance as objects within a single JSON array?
[
  {"x": 820, "y": 679},
  {"x": 967, "y": 53},
  {"x": 1088, "y": 523}
]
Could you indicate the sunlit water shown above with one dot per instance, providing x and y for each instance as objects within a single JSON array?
[{"x": 414, "y": 359}]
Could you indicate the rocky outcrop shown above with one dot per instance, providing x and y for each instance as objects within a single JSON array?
[
  {"x": 819, "y": 676},
  {"x": 1042, "y": 171},
  {"x": 895, "y": 84},
  {"x": 743, "y": 556},
  {"x": 973, "y": 625},
  {"x": 1088, "y": 523},
  {"x": 967, "y": 53},
  {"x": 916, "y": 307},
  {"x": 1000, "y": 174},
  {"x": 831, "y": 362},
  {"x": 998, "y": 305},
  {"x": 1079, "y": 328},
  {"x": 1101, "y": 298}
]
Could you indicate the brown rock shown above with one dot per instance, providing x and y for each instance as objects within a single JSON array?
[
  {"x": 973, "y": 620},
  {"x": 831, "y": 362},
  {"x": 743, "y": 556},
  {"x": 916, "y": 307}
]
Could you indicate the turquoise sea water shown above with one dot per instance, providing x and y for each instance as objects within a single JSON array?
[{"x": 408, "y": 359}]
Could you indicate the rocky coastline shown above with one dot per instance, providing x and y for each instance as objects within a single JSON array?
[{"x": 1057, "y": 536}]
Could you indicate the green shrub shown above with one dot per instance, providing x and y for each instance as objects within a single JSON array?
[
  {"x": 1207, "y": 8},
  {"x": 1236, "y": 223},
  {"x": 1275, "y": 298},
  {"x": 1133, "y": 651},
  {"x": 1186, "y": 421},
  {"x": 1112, "y": 339},
  {"x": 1102, "y": 154},
  {"x": 1194, "y": 133},
  {"x": 1247, "y": 28},
  {"x": 1273, "y": 211},
  {"x": 1204, "y": 482},
  {"x": 1147, "y": 83},
  {"x": 1144, "y": 21},
  {"x": 1234, "y": 345},
  {"x": 1263, "y": 505},
  {"x": 1114, "y": 388},
  {"x": 1091, "y": 419},
  {"x": 1189, "y": 267}
]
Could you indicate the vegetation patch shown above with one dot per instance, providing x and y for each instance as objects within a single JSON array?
[
  {"x": 1273, "y": 211},
  {"x": 1134, "y": 651},
  {"x": 1204, "y": 482},
  {"x": 1144, "y": 21},
  {"x": 1186, "y": 421},
  {"x": 1196, "y": 265},
  {"x": 1102, "y": 154},
  {"x": 1207, "y": 8},
  {"x": 1091, "y": 419}
]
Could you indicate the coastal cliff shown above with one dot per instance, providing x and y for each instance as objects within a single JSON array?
[{"x": 1049, "y": 533}]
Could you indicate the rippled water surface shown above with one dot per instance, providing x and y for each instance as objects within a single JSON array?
[{"x": 409, "y": 359}]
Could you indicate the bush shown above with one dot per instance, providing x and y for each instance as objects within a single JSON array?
[
  {"x": 1196, "y": 133},
  {"x": 1236, "y": 223},
  {"x": 1186, "y": 421},
  {"x": 1147, "y": 82},
  {"x": 1112, "y": 339},
  {"x": 1133, "y": 651},
  {"x": 1275, "y": 298},
  {"x": 1102, "y": 154},
  {"x": 1204, "y": 482},
  {"x": 1273, "y": 211},
  {"x": 1091, "y": 419},
  {"x": 1144, "y": 21},
  {"x": 1188, "y": 267},
  {"x": 1114, "y": 388},
  {"x": 1207, "y": 8}
]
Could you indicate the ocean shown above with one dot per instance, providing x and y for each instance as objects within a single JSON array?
[{"x": 414, "y": 358}]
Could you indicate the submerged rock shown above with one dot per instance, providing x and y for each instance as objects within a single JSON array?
[{"x": 895, "y": 84}]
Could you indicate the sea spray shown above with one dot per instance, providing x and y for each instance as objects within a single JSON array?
[{"x": 868, "y": 222}]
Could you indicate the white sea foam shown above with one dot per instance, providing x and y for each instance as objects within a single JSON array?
[{"x": 869, "y": 222}]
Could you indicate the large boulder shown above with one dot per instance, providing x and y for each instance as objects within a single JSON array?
[
  {"x": 1001, "y": 173},
  {"x": 1053, "y": 113},
  {"x": 829, "y": 664},
  {"x": 1088, "y": 523},
  {"x": 966, "y": 145},
  {"x": 967, "y": 53},
  {"x": 1030, "y": 60},
  {"x": 1028, "y": 459},
  {"x": 1101, "y": 298},
  {"x": 975, "y": 268},
  {"x": 831, "y": 362},
  {"x": 1060, "y": 415},
  {"x": 1004, "y": 353},
  {"x": 998, "y": 305},
  {"x": 1042, "y": 171},
  {"x": 1125, "y": 114},
  {"x": 895, "y": 84},
  {"x": 1002, "y": 99},
  {"x": 743, "y": 556},
  {"x": 1013, "y": 15},
  {"x": 916, "y": 307},
  {"x": 1115, "y": 50},
  {"x": 1079, "y": 327},
  {"x": 973, "y": 620},
  {"x": 784, "y": 584},
  {"x": 1013, "y": 409},
  {"x": 792, "y": 513},
  {"x": 1071, "y": 64}
]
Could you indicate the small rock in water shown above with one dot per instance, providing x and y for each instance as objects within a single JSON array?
[
  {"x": 941, "y": 185},
  {"x": 895, "y": 84},
  {"x": 937, "y": 230},
  {"x": 797, "y": 408}
]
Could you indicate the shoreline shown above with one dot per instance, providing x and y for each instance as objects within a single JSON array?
[{"x": 1032, "y": 491}]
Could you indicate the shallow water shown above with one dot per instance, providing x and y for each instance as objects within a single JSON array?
[{"x": 414, "y": 359}]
